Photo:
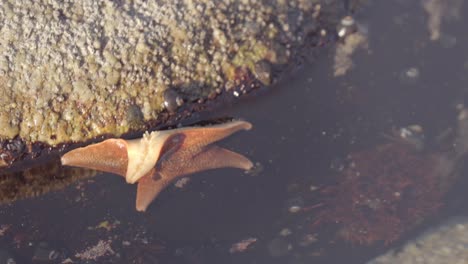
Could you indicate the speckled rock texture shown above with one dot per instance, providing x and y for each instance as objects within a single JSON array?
[
  {"x": 74, "y": 70},
  {"x": 446, "y": 244}
]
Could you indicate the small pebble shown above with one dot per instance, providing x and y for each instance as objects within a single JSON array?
[
  {"x": 285, "y": 232},
  {"x": 172, "y": 100},
  {"x": 313, "y": 188},
  {"x": 262, "y": 72},
  {"x": 410, "y": 75},
  {"x": 346, "y": 27},
  {"x": 294, "y": 205},
  {"x": 294, "y": 209}
]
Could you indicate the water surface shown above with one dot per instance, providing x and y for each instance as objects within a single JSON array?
[{"x": 304, "y": 127}]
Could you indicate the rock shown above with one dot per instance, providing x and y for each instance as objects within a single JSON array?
[{"x": 444, "y": 244}]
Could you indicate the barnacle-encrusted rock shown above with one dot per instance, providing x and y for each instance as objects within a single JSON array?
[{"x": 74, "y": 70}]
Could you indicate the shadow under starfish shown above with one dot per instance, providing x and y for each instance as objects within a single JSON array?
[{"x": 160, "y": 157}]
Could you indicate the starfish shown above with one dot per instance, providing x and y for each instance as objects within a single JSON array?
[{"x": 160, "y": 157}]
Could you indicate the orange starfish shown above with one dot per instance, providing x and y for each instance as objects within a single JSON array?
[{"x": 160, "y": 157}]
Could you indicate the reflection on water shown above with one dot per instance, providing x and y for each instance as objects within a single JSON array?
[
  {"x": 38, "y": 180},
  {"x": 329, "y": 176}
]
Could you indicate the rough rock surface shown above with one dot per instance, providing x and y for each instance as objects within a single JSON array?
[
  {"x": 445, "y": 244},
  {"x": 74, "y": 70}
]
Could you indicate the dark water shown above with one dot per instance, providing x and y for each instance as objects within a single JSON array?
[{"x": 303, "y": 128}]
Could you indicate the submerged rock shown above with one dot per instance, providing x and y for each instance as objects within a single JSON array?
[
  {"x": 384, "y": 192},
  {"x": 444, "y": 244},
  {"x": 389, "y": 189}
]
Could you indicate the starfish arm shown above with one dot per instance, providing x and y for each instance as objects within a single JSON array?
[
  {"x": 211, "y": 157},
  {"x": 148, "y": 189},
  {"x": 199, "y": 137},
  {"x": 109, "y": 156}
]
